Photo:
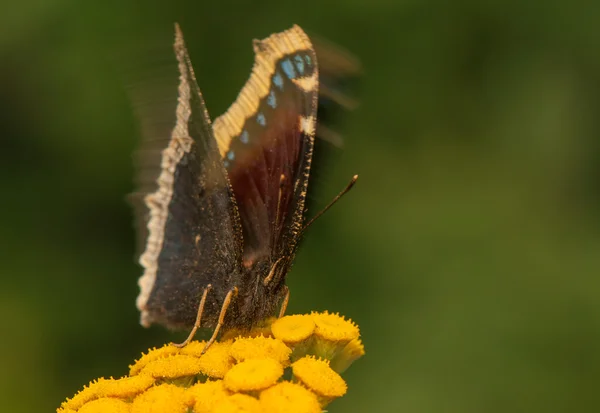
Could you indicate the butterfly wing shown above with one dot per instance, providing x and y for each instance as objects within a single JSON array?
[
  {"x": 266, "y": 139},
  {"x": 194, "y": 233}
]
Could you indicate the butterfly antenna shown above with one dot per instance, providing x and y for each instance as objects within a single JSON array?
[{"x": 333, "y": 201}]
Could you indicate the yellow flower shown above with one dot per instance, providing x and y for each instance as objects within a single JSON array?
[
  {"x": 293, "y": 329},
  {"x": 236, "y": 375},
  {"x": 194, "y": 348},
  {"x": 216, "y": 361},
  {"x": 334, "y": 327},
  {"x": 262, "y": 329},
  {"x": 245, "y": 348},
  {"x": 253, "y": 375},
  {"x": 126, "y": 387},
  {"x": 332, "y": 334},
  {"x": 106, "y": 405},
  {"x": 173, "y": 367},
  {"x": 287, "y": 397},
  {"x": 153, "y": 354},
  {"x": 165, "y": 398},
  {"x": 238, "y": 403},
  {"x": 349, "y": 354},
  {"x": 171, "y": 362},
  {"x": 206, "y": 396},
  {"x": 319, "y": 378},
  {"x": 86, "y": 395}
]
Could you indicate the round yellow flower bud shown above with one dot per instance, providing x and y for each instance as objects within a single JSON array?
[
  {"x": 238, "y": 403},
  {"x": 153, "y": 354},
  {"x": 207, "y": 395},
  {"x": 286, "y": 397},
  {"x": 166, "y": 398},
  {"x": 253, "y": 375},
  {"x": 334, "y": 327},
  {"x": 260, "y": 348},
  {"x": 318, "y": 377},
  {"x": 293, "y": 329}
]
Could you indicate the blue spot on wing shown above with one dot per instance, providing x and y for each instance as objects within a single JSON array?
[
  {"x": 244, "y": 137},
  {"x": 308, "y": 60},
  {"x": 288, "y": 68},
  {"x": 230, "y": 155},
  {"x": 299, "y": 64},
  {"x": 271, "y": 101},
  {"x": 260, "y": 118},
  {"x": 278, "y": 80}
]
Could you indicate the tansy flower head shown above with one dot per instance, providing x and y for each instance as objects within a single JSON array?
[
  {"x": 245, "y": 348},
  {"x": 153, "y": 354},
  {"x": 262, "y": 329},
  {"x": 318, "y": 377},
  {"x": 207, "y": 395},
  {"x": 216, "y": 361},
  {"x": 287, "y": 397},
  {"x": 353, "y": 351},
  {"x": 165, "y": 398},
  {"x": 293, "y": 329},
  {"x": 252, "y": 375},
  {"x": 238, "y": 403},
  {"x": 106, "y": 404},
  {"x": 125, "y": 388},
  {"x": 334, "y": 327},
  {"x": 332, "y": 334},
  {"x": 172, "y": 367},
  {"x": 241, "y": 374}
]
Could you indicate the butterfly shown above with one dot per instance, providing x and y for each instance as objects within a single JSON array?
[{"x": 223, "y": 223}]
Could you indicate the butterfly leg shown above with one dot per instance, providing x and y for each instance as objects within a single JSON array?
[
  {"x": 233, "y": 292},
  {"x": 285, "y": 301},
  {"x": 198, "y": 318}
]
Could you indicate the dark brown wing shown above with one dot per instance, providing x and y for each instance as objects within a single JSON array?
[
  {"x": 266, "y": 139},
  {"x": 194, "y": 235}
]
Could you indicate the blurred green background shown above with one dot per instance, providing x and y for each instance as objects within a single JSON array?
[{"x": 469, "y": 253}]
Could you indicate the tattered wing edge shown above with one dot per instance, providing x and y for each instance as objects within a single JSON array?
[{"x": 158, "y": 201}]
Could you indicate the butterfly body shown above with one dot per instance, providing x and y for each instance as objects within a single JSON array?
[{"x": 224, "y": 222}]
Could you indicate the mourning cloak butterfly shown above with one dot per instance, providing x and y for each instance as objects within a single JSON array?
[{"x": 223, "y": 225}]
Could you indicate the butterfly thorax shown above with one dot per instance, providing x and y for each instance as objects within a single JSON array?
[{"x": 263, "y": 282}]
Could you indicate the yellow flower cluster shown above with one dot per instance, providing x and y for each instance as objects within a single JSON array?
[{"x": 291, "y": 365}]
